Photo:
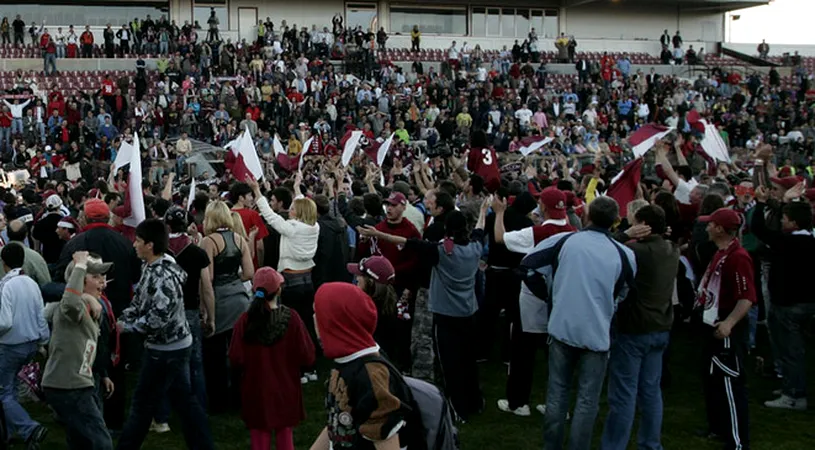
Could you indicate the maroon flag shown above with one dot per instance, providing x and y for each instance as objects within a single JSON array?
[
  {"x": 643, "y": 139},
  {"x": 372, "y": 149},
  {"x": 624, "y": 186},
  {"x": 288, "y": 163}
]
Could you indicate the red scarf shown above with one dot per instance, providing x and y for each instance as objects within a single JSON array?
[{"x": 112, "y": 321}]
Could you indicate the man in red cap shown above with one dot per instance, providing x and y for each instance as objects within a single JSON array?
[
  {"x": 552, "y": 203},
  {"x": 405, "y": 263},
  {"x": 726, "y": 294}
]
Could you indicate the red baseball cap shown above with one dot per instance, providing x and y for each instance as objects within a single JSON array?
[
  {"x": 96, "y": 209},
  {"x": 376, "y": 267},
  {"x": 396, "y": 198},
  {"x": 555, "y": 202},
  {"x": 267, "y": 279},
  {"x": 723, "y": 217}
]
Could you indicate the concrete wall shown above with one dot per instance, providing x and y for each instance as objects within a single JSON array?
[
  {"x": 614, "y": 21},
  {"x": 70, "y": 65}
]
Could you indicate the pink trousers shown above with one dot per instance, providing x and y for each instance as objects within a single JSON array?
[{"x": 262, "y": 440}]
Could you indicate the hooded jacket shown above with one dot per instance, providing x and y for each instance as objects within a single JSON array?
[{"x": 157, "y": 309}]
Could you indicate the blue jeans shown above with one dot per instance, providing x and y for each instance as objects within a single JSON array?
[
  {"x": 634, "y": 374},
  {"x": 197, "y": 382},
  {"x": 788, "y": 325},
  {"x": 50, "y": 61},
  {"x": 165, "y": 373},
  {"x": 78, "y": 410},
  {"x": 179, "y": 165},
  {"x": 590, "y": 366},
  {"x": 5, "y": 138},
  {"x": 16, "y": 126},
  {"x": 12, "y": 359}
]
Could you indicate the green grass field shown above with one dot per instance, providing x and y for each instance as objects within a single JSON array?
[{"x": 684, "y": 414}]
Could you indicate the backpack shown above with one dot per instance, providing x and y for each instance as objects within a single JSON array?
[
  {"x": 535, "y": 281},
  {"x": 434, "y": 428}
]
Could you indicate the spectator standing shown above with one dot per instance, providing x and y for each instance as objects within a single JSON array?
[
  {"x": 579, "y": 323},
  {"x": 109, "y": 35},
  {"x": 18, "y": 26},
  {"x": 198, "y": 298},
  {"x": 213, "y": 22},
  {"x": 644, "y": 322},
  {"x": 677, "y": 40},
  {"x": 101, "y": 239},
  {"x": 157, "y": 312},
  {"x": 125, "y": 35},
  {"x": 791, "y": 305},
  {"x": 34, "y": 265},
  {"x": 298, "y": 245},
  {"x": 68, "y": 378},
  {"x": 381, "y": 38},
  {"x": 763, "y": 49},
  {"x": 270, "y": 346},
  {"x": 380, "y": 406},
  {"x": 415, "y": 38},
  {"x": 5, "y": 29},
  {"x": 453, "y": 304},
  {"x": 86, "y": 39},
  {"x": 243, "y": 199},
  {"x": 726, "y": 294},
  {"x": 332, "y": 246},
  {"x": 22, "y": 330},
  {"x": 521, "y": 241}
]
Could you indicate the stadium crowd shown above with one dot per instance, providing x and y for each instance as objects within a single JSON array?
[{"x": 242, "y": 281}]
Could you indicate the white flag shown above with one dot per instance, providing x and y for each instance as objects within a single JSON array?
[
  {"x": 305, "y": 150},
  {"x": 246, "y": 148},
  {"x": 137, "y": 214},
  {"x": 192, "y": 194},
  {"x": 351, "y": 147},
  {"x": 277, "y": 146},
  {"x": 383, "y": 151},
  {"x": 123, "y": 156}
]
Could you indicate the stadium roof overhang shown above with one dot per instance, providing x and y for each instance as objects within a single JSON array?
[{"x": 692, "y": 5}]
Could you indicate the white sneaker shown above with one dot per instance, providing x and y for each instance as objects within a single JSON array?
[
  {"x": 312, "y": 376},
  {"x": 522, "y": 411},
  {"x": 159, "y": 427},
  {"x": 787, "y": 402},
  {"x": 304, "y": 380},
  {"x": 778, "y": 392}
]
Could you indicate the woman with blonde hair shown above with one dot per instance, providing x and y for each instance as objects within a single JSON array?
[
  {"x": 230, "y": 265},
  {"x": 298, "y": 244}
]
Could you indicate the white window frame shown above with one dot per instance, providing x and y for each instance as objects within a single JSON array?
[{"x": 467, "y": 16}]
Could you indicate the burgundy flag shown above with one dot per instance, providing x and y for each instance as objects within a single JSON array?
[
  {"x": 624, "y": 186},
  {"x": 643, "y": 139}
]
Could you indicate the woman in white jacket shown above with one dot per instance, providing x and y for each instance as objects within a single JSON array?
[{"x": 298, "y": 244}]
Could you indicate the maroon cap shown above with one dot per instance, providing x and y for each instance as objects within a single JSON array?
[
  {"x": 69, "y": 223},
  {"x": 723, "y": 217},
  {"x": 376, "y": 267},
  {"x": 555, "y": 202},
  {"x": 786, "y": 182},
  {"x": 268, "y": 279},
  {"x": 396, "y": 198}
]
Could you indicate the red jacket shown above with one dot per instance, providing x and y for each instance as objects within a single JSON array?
[
  {"x": 5, "y": 119},
  {"x": 271, "y": 393},
  {"x": 86, "y": 38},
  {"x": 404, "y": 261}
]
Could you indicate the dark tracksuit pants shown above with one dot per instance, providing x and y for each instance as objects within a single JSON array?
[
  {"x": 724, "y": 386},
  {"x": 453, "y": 338},
  {"x": 298, "y": 294},
  {"x": 503, "y": 287},
  {"x": 524, "y": 347}
]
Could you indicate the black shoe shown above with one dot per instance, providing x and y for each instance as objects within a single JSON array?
[{"x": 36, "y": 438}]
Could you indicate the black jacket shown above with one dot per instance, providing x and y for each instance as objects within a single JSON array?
[
  {"x": 112, "y": 247},
  {"x": 791, "y": 262},
  {"x": 332, "y": 253}
]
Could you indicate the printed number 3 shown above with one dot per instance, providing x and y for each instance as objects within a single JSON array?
[{"x": 487, "y": 156}]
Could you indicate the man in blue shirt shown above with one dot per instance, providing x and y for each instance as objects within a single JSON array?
[
  {"x": 583, "y": 303},
  {"x": 108, "y": 130},
  {"x": 624, "y": 108},
  {"x": 624, "y": 64}
]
